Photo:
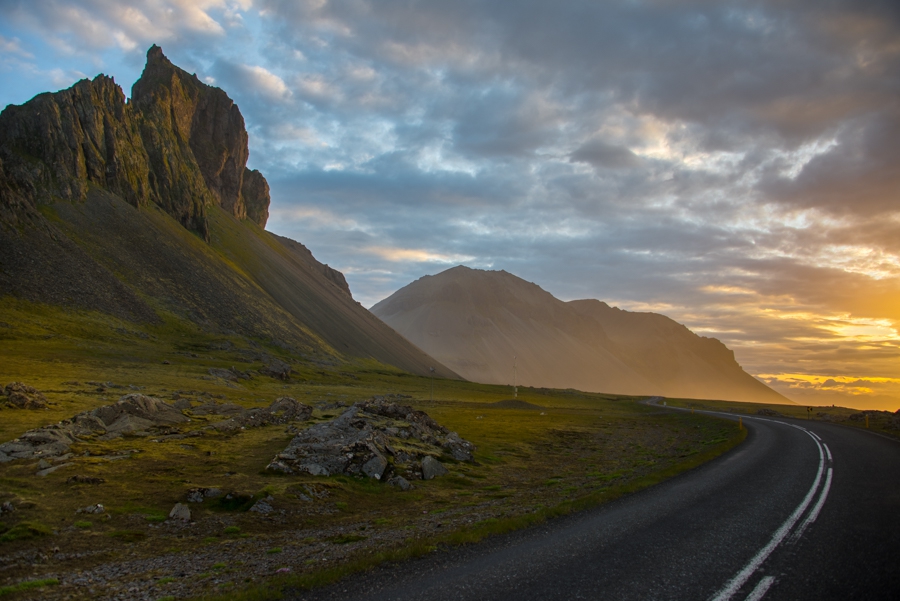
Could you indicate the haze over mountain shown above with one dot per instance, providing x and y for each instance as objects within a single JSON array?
[
  {"x": 145, "y": 210},
  {"x": 476, "y": 322}
]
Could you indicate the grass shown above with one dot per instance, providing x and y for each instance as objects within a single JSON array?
[
  {"x": 28, "y": 585},
  {"x": 25, "y": 531},
  {"x": 881, "y": 422},
  {"x": 586, "y": 449}
]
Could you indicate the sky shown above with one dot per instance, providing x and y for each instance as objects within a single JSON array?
[{"x": 733, "y": 165}]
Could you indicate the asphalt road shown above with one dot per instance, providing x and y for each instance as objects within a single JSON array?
[{"x": 800, "y": 510}]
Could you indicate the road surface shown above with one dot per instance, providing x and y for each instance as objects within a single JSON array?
[{"x": 800, "y": 510}]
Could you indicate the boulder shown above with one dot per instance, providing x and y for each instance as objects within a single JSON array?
[
  {"x": 23, "y": 396},
  {"x": 263, "y": 506},
  {"x": 432, "y": 468},
  {"x": 197, "y": 495},
  {"x": 180, "y": 512},
  {"x": 276, "y": 368},
  {"x": 92, "y": 509},
  {"x": 374, "y": 467},
  {"x": 400, "y": 482},
  {"x": 149, "y": 409}
]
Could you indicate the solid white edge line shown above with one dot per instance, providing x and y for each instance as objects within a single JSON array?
[
  {"x": 741, "y": 578},
  {"x": 761, "y": 589},
  {"x": 816, "y": 509}
]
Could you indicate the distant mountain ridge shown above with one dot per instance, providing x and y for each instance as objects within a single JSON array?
[
  {"x": 476, "y": 322},
  {"x": 146, "y": 210}
]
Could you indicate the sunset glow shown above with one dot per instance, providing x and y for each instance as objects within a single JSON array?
[{"x": 735, "y": 167}]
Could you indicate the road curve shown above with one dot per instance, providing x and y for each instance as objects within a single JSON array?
[{"x": 800, "y": 510}]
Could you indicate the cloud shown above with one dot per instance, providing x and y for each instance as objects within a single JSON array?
[
  {"x": 604, "y": 155},
  {"x": 13, "y": 46},
  {"x": 733, "y": 165}
]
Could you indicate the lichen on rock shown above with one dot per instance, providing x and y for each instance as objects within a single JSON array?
[{"x": 376, "y": 438}]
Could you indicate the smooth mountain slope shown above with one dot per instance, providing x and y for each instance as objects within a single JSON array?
[
  {"x": 146, "y": 210},
  {"x": 476, "y": 322}
]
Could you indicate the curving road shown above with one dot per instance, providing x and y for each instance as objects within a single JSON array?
[{"x": 800, "y": 510}]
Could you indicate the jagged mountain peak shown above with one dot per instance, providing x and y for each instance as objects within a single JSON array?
[
  {"x": 97, "y": 196},
  {"x": 178, "y": 143}
]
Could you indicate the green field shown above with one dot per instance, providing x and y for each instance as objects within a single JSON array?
[
  {"x": 571, "y": 450},
  {"x": 882, "y": 422}
]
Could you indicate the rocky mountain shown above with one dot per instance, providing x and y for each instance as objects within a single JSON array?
[
  {"x": 145, "y": 210},
  {"x": 476, "y": 322}
]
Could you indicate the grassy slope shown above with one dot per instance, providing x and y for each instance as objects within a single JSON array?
[
  {"x": 307, "y": 296},
  {"x": 583, "y": 449}
]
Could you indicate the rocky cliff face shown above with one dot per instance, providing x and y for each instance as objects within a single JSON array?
[
  {"x": 255, "y": 192},
  {"x": 178, "y": 143}
]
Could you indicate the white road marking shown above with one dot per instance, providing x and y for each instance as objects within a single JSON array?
[
  {"x": 757, "y": 593},
  {"x": 733, "y": 585},
  {"x": 816, "y": 509}
]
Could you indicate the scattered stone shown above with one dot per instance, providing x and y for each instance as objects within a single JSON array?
[
  {"x": 78, "y": 479},
  {"x": 214, "y": 408},
  {"x": 43, "y": 464},
  {"x": 50, "y": 470},
  {"x": 432, "y": 468},
  {"x": 7, "y": 507},
  {"x": 23, "y": 396},
  {"x": 197, "y": 495},
  {"x": 400, "y": 482},
  {"x": 281, "y": 411},
  {"x": 276, "y": 368},
  {"x": 92, "y": 509},
  {"x": 375, "y": 438},
  {"x": 180, "y": 512},
  {"x": 263, "y": 506},
  {"x": 230, "y": 375}
]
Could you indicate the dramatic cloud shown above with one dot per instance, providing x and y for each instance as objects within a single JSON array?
[{"x": 735, "y": 166}]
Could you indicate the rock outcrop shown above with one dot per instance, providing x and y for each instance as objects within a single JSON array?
[
  {"x": 23, "y": 396},
  {"x": 255, "y": 192},
  {"x": 178, "y": 143},
  {"x": 378, "y": 439},
  {"x": 141, "y": 415},
  {"x": 131, "y": 414},
  {"x": 283, "y": 410}
]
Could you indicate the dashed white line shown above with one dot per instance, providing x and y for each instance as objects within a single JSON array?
[
  {"x": 757, "y": 593},
  {"x": 733, "y": 585}
]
